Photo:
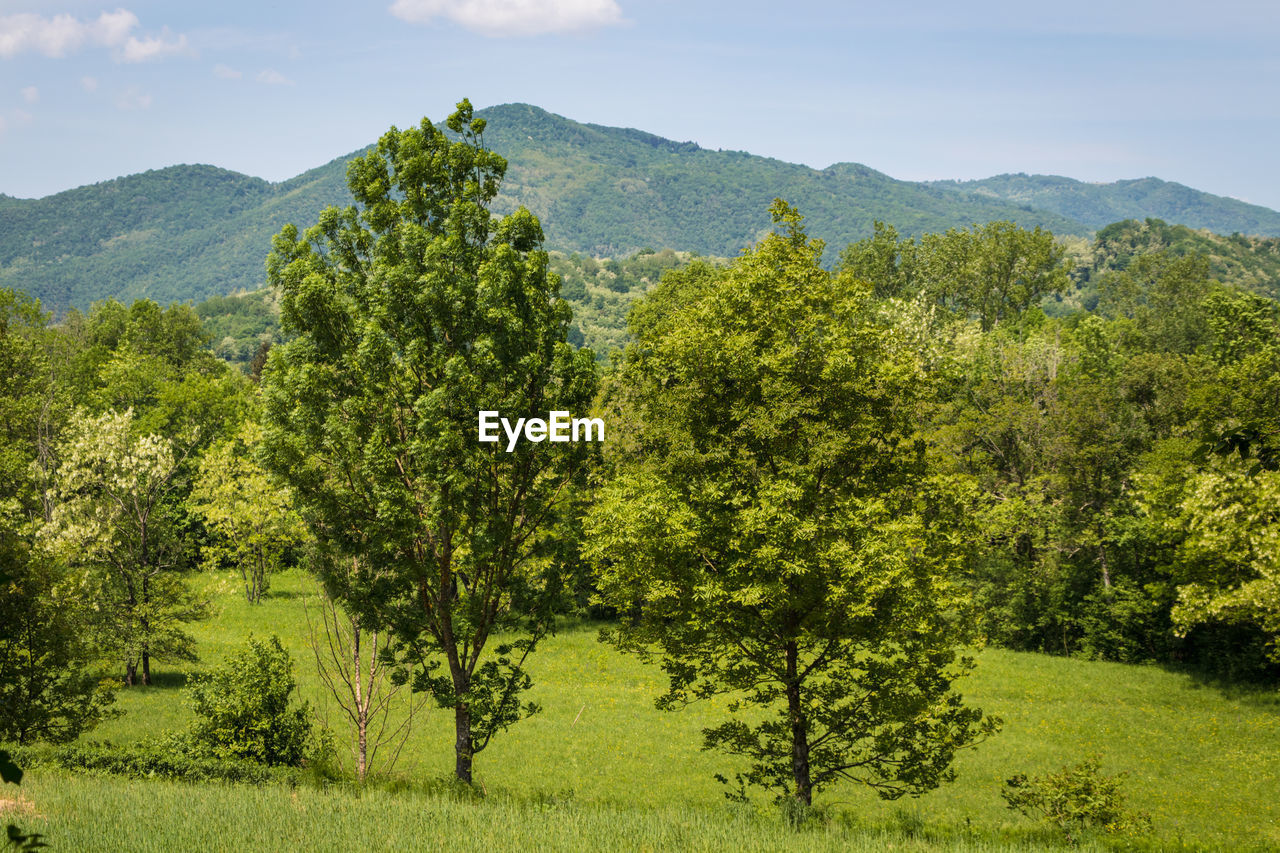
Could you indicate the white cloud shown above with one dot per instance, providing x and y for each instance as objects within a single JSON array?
[
  {"x": 89, "y": 84},
  {"x": 512, "y": 17},
  {"x": 132, "y": 99},
  {"x": 21, "y": 118},
  {"x": 226, "y": 73},
  {"x": 31, "y": 94},
  {"x": 112, "y": 28},
  {"x": 153, "y": 47},
  {"x": 272, "y": 77},
  {"x": 61, "y": 35}
]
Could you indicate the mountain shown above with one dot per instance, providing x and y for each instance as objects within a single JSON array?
[
  {"x": 1097, "y": 205},
  {"x": 191, "y": 232}
]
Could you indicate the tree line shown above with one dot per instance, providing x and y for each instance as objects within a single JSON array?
[{"x": 823, "y": 483}]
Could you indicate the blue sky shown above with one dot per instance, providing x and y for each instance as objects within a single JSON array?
[{"x": 1186, "y": 91}]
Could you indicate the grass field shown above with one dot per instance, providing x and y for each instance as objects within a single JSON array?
[{"x": 601, "y": 767}]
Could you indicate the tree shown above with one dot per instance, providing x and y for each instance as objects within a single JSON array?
[
  {"x": 49, "y": 687},
  {"x": 251, "y": 517},
  {"x": 1040, "y": 418},
  {"x": 156, "y": 363},
  {"x": 885, "y": 260},
  {"x": 114, "y": 517},
  {"x": 1229, "y": 554},
  {"x": 412, "y": 313},
  {"x": 772, "y": 527},
  {"x": 993, "y": 272},
  {"x": 351, "y": 660}
]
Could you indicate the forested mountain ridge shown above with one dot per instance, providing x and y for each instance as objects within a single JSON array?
[
  {"x": 1096, "y": 205},
  {"x": 193, "y": 232}
]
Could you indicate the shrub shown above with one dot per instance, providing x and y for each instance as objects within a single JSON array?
[
  {"x": 154, "y": 760},
  {"x": 1076, "y": 799},
  {"x": 243, "y": 709}
]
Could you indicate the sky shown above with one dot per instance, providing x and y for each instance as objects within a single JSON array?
[{"x": 1097, "y": 90}]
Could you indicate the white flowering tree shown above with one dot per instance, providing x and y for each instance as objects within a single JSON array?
[{"x": 113, "y": 519}]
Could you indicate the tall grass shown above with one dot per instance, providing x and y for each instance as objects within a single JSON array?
[{"x": 108, "y": 814}]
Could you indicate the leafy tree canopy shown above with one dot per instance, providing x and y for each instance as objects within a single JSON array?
[
  {"x": 412, "y": 312},
  {"x": 773, "y": 526}
]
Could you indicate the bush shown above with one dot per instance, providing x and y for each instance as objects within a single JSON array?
[
  {"x": 1076, "y": 799},
  {"x": 155, "y": 760},
  {"x": 243, "y": 709}
]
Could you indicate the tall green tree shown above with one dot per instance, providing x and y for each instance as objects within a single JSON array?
[
  {"x": 773, "y": 529},
  {"x": 49, "y": 686},
  {"x": 413, "y": 311}
]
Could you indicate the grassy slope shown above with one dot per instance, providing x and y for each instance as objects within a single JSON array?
[{"x": 1206, "y": 765}]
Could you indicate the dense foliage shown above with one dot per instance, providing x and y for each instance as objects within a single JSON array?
[
  {"x": 1252, "y": 263},
  {"x": 412, "y": 314},
  {"x": 772, "y": 519},
  {"x": 51, "y": 686},
  {"x": 241, "y": 328}
]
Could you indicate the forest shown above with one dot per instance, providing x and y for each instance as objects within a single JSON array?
[{"x": 871, "y": 517}]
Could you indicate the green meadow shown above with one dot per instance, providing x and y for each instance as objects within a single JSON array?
[{"x": 600, "y": 767}]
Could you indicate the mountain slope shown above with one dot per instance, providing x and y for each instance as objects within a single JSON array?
[
  {"x": 190, "y": 232},
  {"x": 610, "y": 191},
  {"x": 1097, "y": 205}
]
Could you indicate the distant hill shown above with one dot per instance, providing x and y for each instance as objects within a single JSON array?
[
  {"x": 1096, "y": 205},
  {"x": 1249, "y": 262},
  {"x": 192, "y": 232}
]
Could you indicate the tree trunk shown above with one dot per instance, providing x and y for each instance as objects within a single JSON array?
[
  {"x": 462, "y": 746},
  {"x": 799, "y": 729},
  {"x": 361, "y": 703},
  {"x": 362, "y": 760},
  {"x": 145, "y": 624},
  {"x": 130, "y": 673}
]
